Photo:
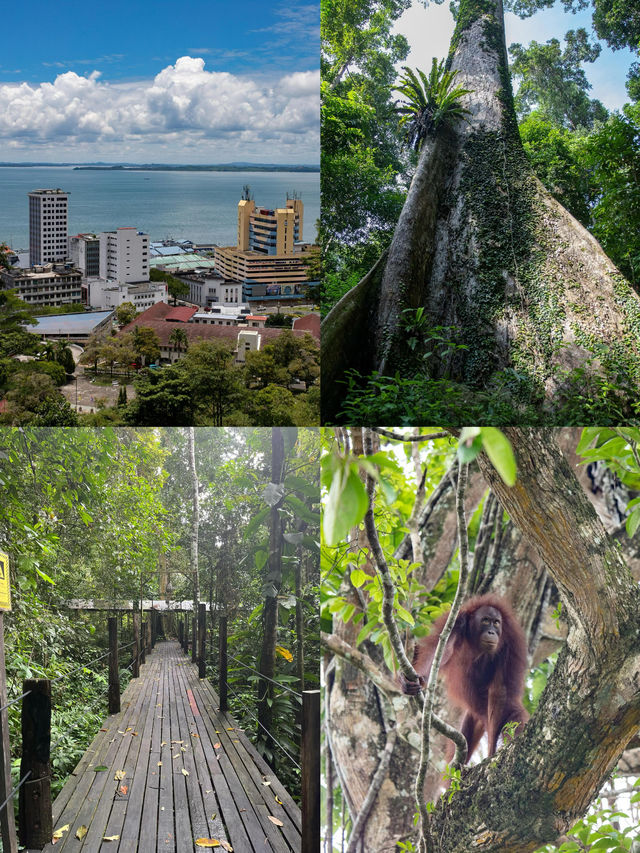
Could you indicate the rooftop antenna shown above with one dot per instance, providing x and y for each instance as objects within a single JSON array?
[{"x": 247, "y": 195}]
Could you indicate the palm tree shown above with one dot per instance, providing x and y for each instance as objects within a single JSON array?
[
  {"x": 431, "y": 101},
  {"x": 179, "y": 340}
]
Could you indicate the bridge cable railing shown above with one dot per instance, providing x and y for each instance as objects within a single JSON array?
[
  {"x": 264, "y": 728},
  {"x": 35, "y": 819},
  {"x": 297, "y": 694}
]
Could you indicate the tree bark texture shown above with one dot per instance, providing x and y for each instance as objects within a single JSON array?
[{"x": 485, "y": 249}]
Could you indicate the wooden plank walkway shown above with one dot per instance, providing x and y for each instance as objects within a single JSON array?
[{"x": 189, "y": 773}]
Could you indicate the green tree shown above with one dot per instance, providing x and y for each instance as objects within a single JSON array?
[
  {"x": 147, "y": 344},
  {"x": 553, "y": 80},
  {"x": 125, "y": 313},
  {"x": 179, "y": 340},
  {"x": 91, "y": 354},
  {"x": 162, "y": 397},
  {"x": 216, "y": 379},
  {"x": 64, "y": 356},
  {"x": 361, "y": 155}
]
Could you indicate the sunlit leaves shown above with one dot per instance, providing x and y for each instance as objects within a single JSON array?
[{"x": 495, "y": 445}]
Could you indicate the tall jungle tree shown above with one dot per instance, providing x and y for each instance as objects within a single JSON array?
[{"x": 481, "y": 247}]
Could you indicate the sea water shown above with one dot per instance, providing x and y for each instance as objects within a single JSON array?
[{"x": 199, "y": 206}]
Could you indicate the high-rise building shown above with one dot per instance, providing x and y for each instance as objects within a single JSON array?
[
  {"x": 47, "y": 226},
  {"x": 270, "y": 258},
  {"x": 124, "y": 255},
  {"x": 84, "y": 251},
  {"x": 269, "y": 232}
]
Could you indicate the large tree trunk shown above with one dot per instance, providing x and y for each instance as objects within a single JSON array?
[{"x": 483, "y": 247}]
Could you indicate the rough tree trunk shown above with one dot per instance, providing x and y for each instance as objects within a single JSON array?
[{"x": 483, "y": 247}]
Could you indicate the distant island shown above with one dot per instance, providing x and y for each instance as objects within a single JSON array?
[{"x": 164, "y": 167}]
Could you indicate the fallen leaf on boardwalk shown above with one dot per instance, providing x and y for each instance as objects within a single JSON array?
[
  {"x": 266, "y": 781},
  {"x": 57, "y": 835},
  {"x": 104, "y": 730},
  {"x": 128, "y": 729},
  {"x": 235, "y": 740},
  {"x": 207, "y": 842},
  {"x": 175, "y": 756},
  {"x": 193, "y": 734},
  {"x": 159, "y": 763},
  {"x": 275, "y": 820},
  {"x": 134, "y": 734},
  {"x": 121, "y": 733},
  {"x": 123, "y": 790},
  {"x": 216, "y": 745},
  {"x": 120, "y": 774},
  {"x": 110, "y": 837},
  {"x": 229, "y": 728},
  {"x": 100, "y": 768},
  {"x": 279, "y": 801},
  {"x": 185, "y": 772},
  {"x": 164, "y": 743},
  {"x": 177, "y": 741},
  {"x": 81, "y": 831},
  {"x": 183, "y": 749},
  {"x": 226, "y": 846}
]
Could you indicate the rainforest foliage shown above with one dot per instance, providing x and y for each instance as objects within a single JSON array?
[{"x": 106, "y": 513}]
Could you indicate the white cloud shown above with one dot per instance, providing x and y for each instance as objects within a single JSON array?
[{"x": 183, "y": 105}]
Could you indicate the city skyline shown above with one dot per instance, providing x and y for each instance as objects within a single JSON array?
[{"x": 232, "y": 83}]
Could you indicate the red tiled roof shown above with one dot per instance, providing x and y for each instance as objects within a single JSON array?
[
  {"x": 156, "y": 318},
  {"x": 180, "y": 314},
  {"x": 308, "y": 323}
]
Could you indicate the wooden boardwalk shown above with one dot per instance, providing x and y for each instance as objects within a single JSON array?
[{"x": 189, "y": 773}]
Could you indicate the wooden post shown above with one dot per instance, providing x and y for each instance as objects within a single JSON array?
[
  {"x": 186, "y": 633},
  {"x": 34, "y": 812},
  {"x": 194, "y": 638},
  {"x": 114, "y": 669},
  {"x": 148, "y": 640},
  {"x": 135, "y": 671},
  {"x": 7, "y": 819},
  {"x": 181, "y": 633},
  {"x": 143, "y": 643},
  {"x": 202, "y": 636},
  {"x": 310, "y": 761},
  {"x": 223, "y": 674}
]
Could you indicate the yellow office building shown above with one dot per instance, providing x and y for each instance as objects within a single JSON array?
[{"x": 269, "y": 257}]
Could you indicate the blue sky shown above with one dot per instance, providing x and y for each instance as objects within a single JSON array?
[
  {"x": 169, "y": 82},
  {"x": 429, "y": 32}
]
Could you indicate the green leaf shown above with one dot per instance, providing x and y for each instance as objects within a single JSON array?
[
  {"x": 255, "y": 522},
  {"x": 358, "y": 577},
  {"x": 632, "y": 522},
  {"x": 100, "y": 768},
  {"x": 470, "y": 445},
  {"x": 346, "y": 505},
  {"x": 261, "y": 558},
  {"x": 301, "y": 510},
  {"x": 499, "y": 450},
  {"x": 44, "y": 576},
  {"x": 404, "y": 614}
]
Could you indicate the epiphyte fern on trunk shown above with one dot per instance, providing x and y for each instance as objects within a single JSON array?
[{"x": 431, "y": 100}]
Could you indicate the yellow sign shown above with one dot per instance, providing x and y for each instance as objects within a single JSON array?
[{"x": 5, "y": 591}]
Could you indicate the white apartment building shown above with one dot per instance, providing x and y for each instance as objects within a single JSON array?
[
  {"x": 50, "y": 284},
  {"x": 124, "y": 255},
  {"x": 109, "y": 294},
  {"x": 84, "y": 251},
  {"x": 48, "y": 216},
  {"x": 208, "y": 291}
]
